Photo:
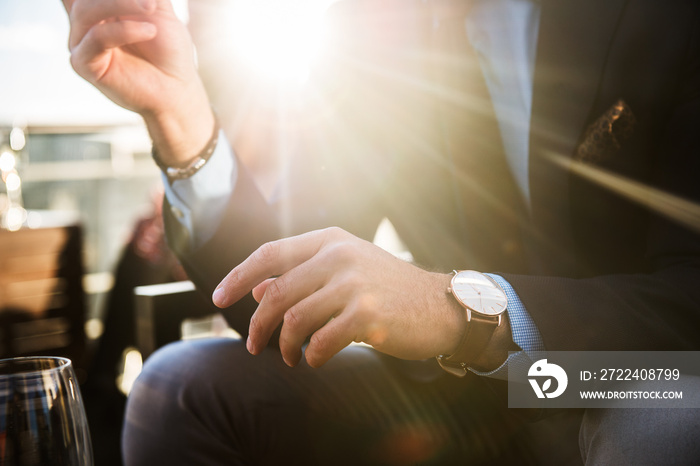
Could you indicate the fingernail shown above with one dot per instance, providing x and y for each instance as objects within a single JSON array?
[
  {"x": 219, "y": 297},
  {"x": 249, "y": 345},
  {"x": 287, "y": 361}
]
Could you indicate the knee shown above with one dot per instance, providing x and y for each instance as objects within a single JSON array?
[
  {"x": 640, "y": 436},
  {"x": 175, "y": 368},
  {"x": 183, "y": 373},
  {"x": 174, "y": 401}
]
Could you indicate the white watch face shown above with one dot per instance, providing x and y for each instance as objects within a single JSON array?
[{"x": 477, "y": 292}]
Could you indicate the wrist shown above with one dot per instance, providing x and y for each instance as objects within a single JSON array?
[
  {"x": 496, "y": 350},
  {"x": 180, "y": 131},
  {"x": 485, "y": 342},
  {"x": 180, "y": 173}
]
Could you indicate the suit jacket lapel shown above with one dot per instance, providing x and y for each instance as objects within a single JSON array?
[{"x": 573, "y": 42}]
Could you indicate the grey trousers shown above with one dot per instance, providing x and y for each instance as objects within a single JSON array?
[
  {"x": 641, "y": 436},
  {"x": 208, "y": 402}
]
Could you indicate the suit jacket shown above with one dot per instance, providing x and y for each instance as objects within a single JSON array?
[{"x": 607, "y": 256}]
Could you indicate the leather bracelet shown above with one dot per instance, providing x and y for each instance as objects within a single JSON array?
[{"x": 175, "y": 173}]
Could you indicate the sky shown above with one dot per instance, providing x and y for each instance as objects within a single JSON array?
[
  {"x": 38, "y": 87},
  {"x": 37, "y": 84}
]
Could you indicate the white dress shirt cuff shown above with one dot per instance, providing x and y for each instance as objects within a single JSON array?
[{"x": 199, "y": 202}]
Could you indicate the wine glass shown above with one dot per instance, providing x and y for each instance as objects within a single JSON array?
[{"x": 42, "y": 418}]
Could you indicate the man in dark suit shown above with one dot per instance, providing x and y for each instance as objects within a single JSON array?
[{"x": 595, "y": 239}]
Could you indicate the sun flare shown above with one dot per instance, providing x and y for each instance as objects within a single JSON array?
[{"x": 277, "y": 39}]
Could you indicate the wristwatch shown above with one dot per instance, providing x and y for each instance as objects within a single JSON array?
[{"x": 484, "y": 302}]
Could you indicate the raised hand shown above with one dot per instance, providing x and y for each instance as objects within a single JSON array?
[
  {"x": 338, "y": 288},
  {"x": 141, "y": 56}
]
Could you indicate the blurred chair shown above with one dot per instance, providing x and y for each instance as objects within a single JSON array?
[
  {"x": 161, "y": 311},
  {"x": 42, "y": 304}
]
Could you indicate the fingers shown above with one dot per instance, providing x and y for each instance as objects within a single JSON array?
[
  {"x": 270, "y": 259},
  {"x": 281, "y": 295},
  {"x": 84, "y": 14},
  {"x": 259, "y": 291},
  {"x": 305, "y": 318},
  {"x": 330, "y": 339},
  {"x": 314, "y": 283},
  {"x": 108, "y": 35}
]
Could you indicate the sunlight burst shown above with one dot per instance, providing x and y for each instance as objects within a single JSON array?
[{"x": 277, "y": 39}]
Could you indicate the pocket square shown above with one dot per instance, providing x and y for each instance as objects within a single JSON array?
[{"x": 607, "y": 133}]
